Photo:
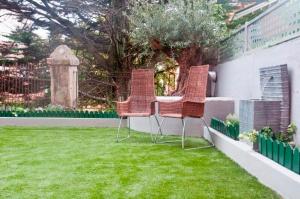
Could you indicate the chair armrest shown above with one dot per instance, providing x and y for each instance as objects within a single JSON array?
[
  {"x": 171, "y": 107},
  {"x": 193, "y": 109}
]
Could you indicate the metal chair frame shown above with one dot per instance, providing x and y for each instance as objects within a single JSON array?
[
  {"x": 182, "y": 140},
  {"x": 140, "y": 102},
  {"x": 192, "y": 104},
  {"x": 129, "y": 129}
]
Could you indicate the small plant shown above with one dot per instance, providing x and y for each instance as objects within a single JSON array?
[
  {"x": 267, "y": 131},
  {"x": 251, "y": 136},
  {"x": 232, "y": 120},
  {"x": 51, "y": 107},
  {"x": 15, "y": 110},
  {"x": 288, "y": 135},
  {"x": 281, "y": 136},
  {"x": 292, "y": 129}
]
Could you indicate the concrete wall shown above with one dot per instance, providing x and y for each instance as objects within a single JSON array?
[
  {"x": 283, "y": 181},
  {"x": 239, "y": 78},
  {"x": 62, "y": 122},
  {"x": 214, "y": 107}
]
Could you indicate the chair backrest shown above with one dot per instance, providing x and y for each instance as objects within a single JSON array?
[
  {"x": 196, "y": 84},
  {"x": 142, "y": 89}
]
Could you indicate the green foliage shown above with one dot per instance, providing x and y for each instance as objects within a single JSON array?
[
  {"x": 281, "y": 136},
  {"x": 292, "y": 129},
  {"x": 165, "y": 77},
  {"x": 232, "y": 120},
  {"x": 267, "y": 131},
  {"x": 288, "y": 135},
  {"x": 241, "y": 21},
  {"x": 52, "y": 107},
  {"x": 35, "y": 48},
  {"x": 177, "y": 24},
  {"x": 251, "y": 135}
]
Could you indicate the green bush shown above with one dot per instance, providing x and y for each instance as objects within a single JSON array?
[
  {"x": 252, "y": 136},
  {"x": 232, "y": 120},
  {"x": 267, "y": 132},
  {"x": 286, "y": 136},
  {"x": 176, "y": 24}
]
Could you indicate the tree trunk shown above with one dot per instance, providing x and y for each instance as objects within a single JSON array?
[
  {"x": 122, "y": 85},
  {"x": 187, "y": 57}
]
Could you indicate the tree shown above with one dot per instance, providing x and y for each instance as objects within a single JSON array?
[
  {"x": 34, "y": 49},
  {"x": 95, "y": 28},
  {"x": 180, "y": 29}
]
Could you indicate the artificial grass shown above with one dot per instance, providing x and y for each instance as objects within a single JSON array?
[{"x": 87, "y": 163}]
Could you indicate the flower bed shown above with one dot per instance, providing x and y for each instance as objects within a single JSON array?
[
  {"x": 231, "y": 131},
  {"x": 62, "y": 114},
  {"x": 280, "y": 152}
]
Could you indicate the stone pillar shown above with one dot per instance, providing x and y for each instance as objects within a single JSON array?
[{"x": 64, "y": 77}]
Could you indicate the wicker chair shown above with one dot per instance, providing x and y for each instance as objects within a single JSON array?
[
  {"x": 141, "y": 102},
  {"x": 192, "y": 103}
]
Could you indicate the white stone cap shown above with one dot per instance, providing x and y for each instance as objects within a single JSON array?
[{"x": 63, "y": 56}]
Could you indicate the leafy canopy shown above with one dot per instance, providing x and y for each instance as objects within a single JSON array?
[
  {"x": 35, "y": 49},
  {"x": 176, "y": 24}
]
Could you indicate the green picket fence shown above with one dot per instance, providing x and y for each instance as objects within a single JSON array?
[
  {"x": 280, "y": 152},
  {"x": 230, "y": 131},
  {"x": 62, "y": 114}
]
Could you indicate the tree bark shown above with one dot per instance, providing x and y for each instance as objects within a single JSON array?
[{"x": 187, "y": 57}]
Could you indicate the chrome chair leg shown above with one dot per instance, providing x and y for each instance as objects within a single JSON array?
[
  {"x": 161, "y": 134},
  {"x": 212, "y": 142},
  {"x": 203, "y": 147},
  {"x": 151, "y": 130},
  {"x": 159, "y": 131},
  {"x": 183, "y": 133},
  {"x": 118, "y": 133},
  {"x": 129, "y": 128}
]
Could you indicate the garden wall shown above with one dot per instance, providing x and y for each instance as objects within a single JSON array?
[{"x": 239, "y": 78}]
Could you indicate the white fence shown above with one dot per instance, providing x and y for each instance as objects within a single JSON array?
[{"x": 278, "y": 24}]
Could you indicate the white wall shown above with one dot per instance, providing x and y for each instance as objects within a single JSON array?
[
  {"x": 280, "y": 179},
  {"x": 214, "y": 107},
  {"x": 239, "y": 78}
]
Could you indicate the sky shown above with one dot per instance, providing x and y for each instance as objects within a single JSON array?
[{"x": 9, "y": 23}]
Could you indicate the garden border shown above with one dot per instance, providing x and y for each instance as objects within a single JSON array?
[
  {"x": 61, "y": 122},
  {"x": 280, "y": 179},
  {"x": 60, "y": 114},
  {"x": 230, "y": 131}
]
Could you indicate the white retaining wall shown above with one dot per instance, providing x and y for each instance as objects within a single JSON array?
[
  {"x": 280, "y": 179},
  {"x": 214, "y": 107},
  {"x": 61, "y": 122},
  {"x": 239, "y": 78}
]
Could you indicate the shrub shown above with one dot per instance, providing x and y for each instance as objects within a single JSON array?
[
  {"x": 267, "y": 131},
  {"x": 286, "y": 137},
  {"x": 251, "y": 135},
  {"x": 232, "y": 120}
]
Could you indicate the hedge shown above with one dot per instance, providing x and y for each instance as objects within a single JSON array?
[{"x": 62, "y": 114}]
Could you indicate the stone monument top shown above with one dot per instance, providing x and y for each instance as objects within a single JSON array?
[{"x": 63, "y": 56}]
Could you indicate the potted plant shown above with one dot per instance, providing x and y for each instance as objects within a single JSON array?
[
  {"x": 251, "y": 136},
  {"x": 232, "y": 124},
  {"x": 288, "y": 135}
]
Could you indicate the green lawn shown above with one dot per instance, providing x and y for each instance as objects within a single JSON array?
[{"x": 87, "y": 163}]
